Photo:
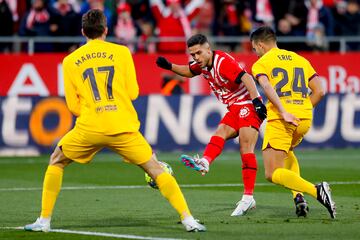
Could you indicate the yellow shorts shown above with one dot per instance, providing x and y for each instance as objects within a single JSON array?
[
  {"x": 81, "y": 146},
  {"x": 281, "y": 135}
]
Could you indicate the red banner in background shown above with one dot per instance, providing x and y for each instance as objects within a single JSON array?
[
  {"x": 30, "y": 75},
  {"x": 41, "y": 74},
  {"x": 150, "y": 76}
]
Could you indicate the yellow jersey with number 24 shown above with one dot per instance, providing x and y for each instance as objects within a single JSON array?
[{"x": 289, "y": 74}]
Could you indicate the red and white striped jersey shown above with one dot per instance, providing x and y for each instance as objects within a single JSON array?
[{"x": 224, "y": 78}]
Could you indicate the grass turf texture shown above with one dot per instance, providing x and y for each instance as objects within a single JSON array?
[{"x": 143, "y": 212}]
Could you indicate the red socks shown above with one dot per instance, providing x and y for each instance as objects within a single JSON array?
[
  {"x": 249, "y": 163},
  {"x": 249, "y": 168},
  {"x": 214, "y": 148}
]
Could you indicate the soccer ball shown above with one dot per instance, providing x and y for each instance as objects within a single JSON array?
[{"x": 151, "y": 181}]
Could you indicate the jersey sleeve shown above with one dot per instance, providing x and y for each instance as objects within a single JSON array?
[
  {"x": 230, "y": 70},
  {"x": 132, "y": 86},
  {"x": 258, "y": 69},
  {"x": 195, "y": 69},
  {"x": 71, "y": 96}
]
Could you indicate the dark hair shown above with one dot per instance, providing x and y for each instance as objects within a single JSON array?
[
  {"x": 196, "y": 39},
  {"x": 93, "y": 23},
  {"x": 263, "y": 34}
]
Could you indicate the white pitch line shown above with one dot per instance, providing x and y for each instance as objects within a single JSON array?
[
  {"x": 9, "y": 160},
  {"x": 145, "y": 186},
  {"x": 101, "y": 234},
  {"x": 113, "y": 235}
]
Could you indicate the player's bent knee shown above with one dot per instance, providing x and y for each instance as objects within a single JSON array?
[
  {"x": 58, "y": 158},
  {"x": 247, "y": 145},
  {"x": 225, "y": 132},
  {"x": 61, "y": 163}
]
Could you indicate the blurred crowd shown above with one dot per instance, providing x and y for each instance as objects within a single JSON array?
[{"x": 134, "y": 22}]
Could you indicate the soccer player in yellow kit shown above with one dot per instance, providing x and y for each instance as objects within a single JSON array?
[
  {"x": 100, "y": 83},
  {"x": 286, "y": 77}
]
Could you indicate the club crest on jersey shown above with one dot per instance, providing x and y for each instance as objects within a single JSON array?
[{"x": 244, "y": 112}]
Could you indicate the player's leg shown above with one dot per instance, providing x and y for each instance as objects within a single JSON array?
[
  {"x": 278, "y": 140},
  {"x": 275, "y": 171},
  {"x": 53, "y": 181},
  {"x": 74, "y": 146},
  {"x": 212, "y": 150},
  {"x": 167, "y": 186},
  {"x": 275, "y": 150},
  {"x": 227, "y": 128},
  {"x": 51, "y": 188},
  {"x": 301, "y": 206},
  {"x": 247, "y": 139},
  {"x": 216, "y": 144},
  {"x": 135, "y": 149},
  {"x": 292, "y": 164},
  {"x": 274, "y": 162},
  {"x": 170, "y": 189},
  {"x": 248, "y": 123}
]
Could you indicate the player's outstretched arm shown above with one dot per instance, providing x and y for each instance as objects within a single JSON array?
[
  {"x": 182, "y": 70},
  {"x": 275, "y": 100},
  {"x": 317, "y": 91}
]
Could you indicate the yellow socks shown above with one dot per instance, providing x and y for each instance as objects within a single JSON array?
[
  {"x": 166, "y": 183},
  {"x": 293, "y": 181},
  {"x": 51, "y": 188},
  {"x": 292, "y": 164},
  {"x": 171, "y": 191}
]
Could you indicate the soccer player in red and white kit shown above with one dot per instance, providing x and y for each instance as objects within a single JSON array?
[{"x": 234, "y": 87}]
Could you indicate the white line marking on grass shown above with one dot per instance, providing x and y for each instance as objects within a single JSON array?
[
  {"x": 114, "y": 159},
  {"x": 14, "y": 228},
  {"x": 78, "y": 188},
  {"x": 145, "y": 186},
  {"x": 101, "y": 234}
]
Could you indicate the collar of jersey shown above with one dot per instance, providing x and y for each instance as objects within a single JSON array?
[
  {"x": 273, "y": 49},
  {"x": 96, "y": 41}
]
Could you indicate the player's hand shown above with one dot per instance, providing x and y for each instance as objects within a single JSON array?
[
  {"x": 260, "y": 108},
  {"x": 289, "y": 118},
  {"x": 163, "y": 63}
]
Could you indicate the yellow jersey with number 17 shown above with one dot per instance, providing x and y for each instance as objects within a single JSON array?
[
  {"x": 100, "y": 84},
  {"x": 289, "y": 74}
]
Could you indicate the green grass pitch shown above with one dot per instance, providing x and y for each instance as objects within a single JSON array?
[{"x": 89, "y": 202}]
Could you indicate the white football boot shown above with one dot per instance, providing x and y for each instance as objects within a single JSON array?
[
  {"x": 191, "y": 225},
  {"x": 244, "y": 205},
  {"x": 196, "y": 163},
  {"x": 40, "y": 225},
  {"x": 203, "y": 164}
]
